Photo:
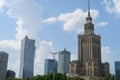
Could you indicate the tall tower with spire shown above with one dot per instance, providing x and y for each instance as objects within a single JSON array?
[
  {"x": 89, "y": 65},
  {"x": 89, "y": 49}
]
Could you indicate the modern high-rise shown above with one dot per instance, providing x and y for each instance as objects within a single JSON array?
[
  {"x": 50, "y": 66},
  {"x": 10, "y": 74},
  {"x": 63, "y": 61},
  {"x": 89, "y": 53},
  {"x": 117, "y": 70},
  {"x": 3, "y": 65},
  {"x": 27, "y": 58}
]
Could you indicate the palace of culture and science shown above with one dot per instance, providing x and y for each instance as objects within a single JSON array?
[{"x": 89, "y": 65}]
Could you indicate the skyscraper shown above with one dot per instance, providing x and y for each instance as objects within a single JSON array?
[
  {"x": 117, "y": 70},
  {"x": 3, "y": 65},
  {"x": 89, "y": 53},
  {"x": 63, "y": 61},
  {"x": 27, "y": 58},
  {"x": 89, "y": 50},
  {"x": 50, "y": 66}
]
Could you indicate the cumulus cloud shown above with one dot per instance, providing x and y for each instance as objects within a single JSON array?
[
  {"x": 73, "y": 21},
  {"x": 74, "y": 57},
  {"x": 108, "y": 55},
  {"x": 2, "y": 3},
  {"x": 14, "y": 66},
  {"x": 102, "y": 24},
  {"x": 112, "y": 6},
  {"x": 10, "y": 44},
  {"x": 43, "y": 52},
  {"x": 50, "y": 20},
  {"x": 105, "y": 53},
  {"x": 27, "y": 14}
]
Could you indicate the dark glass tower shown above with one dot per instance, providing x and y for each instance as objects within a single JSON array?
[{"x": 117, "y": 70}]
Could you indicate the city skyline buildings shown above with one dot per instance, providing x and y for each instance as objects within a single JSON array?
[
  {"x": 27, "y": 58},
  {"x": 21, "y": 18},
  {"x": 3, "y": 65}
]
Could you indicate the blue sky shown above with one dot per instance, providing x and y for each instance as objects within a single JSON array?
[{"x": 55, "y": 26}]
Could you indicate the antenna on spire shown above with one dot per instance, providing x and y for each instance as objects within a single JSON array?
[{"x": 88, "y": 7}]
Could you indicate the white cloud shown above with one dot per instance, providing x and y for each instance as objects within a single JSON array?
[
  {"x": 108, "y": 55},
  {"x": 43, "y": 52},
  {"x": 105, "y": 53},
  {"x": 27, "y": 14},
  {"x": 102, "y": 24},
  {"x": 14, "y": 66},
  {"x": 112, "y": 6},
  {"x": 10, "y": 44},
  {"x": 2, "y": 3},
  {"x": 50, "y": 20},
  {"x": 74, "y": 21},
  {"x": 74, "y": 57}
]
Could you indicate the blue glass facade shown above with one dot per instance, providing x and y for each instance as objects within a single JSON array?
[
  {"x": 117, "y": 70},
  {"x": 50, "y": 66},
  {"x": 27, "y": 58},
  {"x": 63, "y": 62}
]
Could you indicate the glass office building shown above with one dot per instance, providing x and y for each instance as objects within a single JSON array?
[
  {"x": 27, "y": 58},
  {"x": 63, "y": 61},
  {"x": 50, "y": 66},
  {"x": 117, "y": 70}
]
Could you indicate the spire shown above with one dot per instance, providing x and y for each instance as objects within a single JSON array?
[
  {"x": 89, "y": 27},
  {"x": 88, "y": 19},
  {"x": 89, "y": 8}
]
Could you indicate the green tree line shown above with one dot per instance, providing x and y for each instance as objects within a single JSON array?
[{"x": 58, "y": 76}]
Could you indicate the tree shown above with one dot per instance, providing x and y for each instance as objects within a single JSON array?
[{"x": 109, "y": 77}]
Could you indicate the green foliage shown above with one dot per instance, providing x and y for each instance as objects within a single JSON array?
[
  {"x": 108, "y": 77},
  {"x": 13, "y": 79},
  {"x": 58, "y": 76},
  {"x": 75, "y": 78}
]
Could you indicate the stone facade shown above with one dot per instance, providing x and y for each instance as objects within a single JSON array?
[
  {"x": 105, "y": 69},
  {"x": 89, "y": 54},
  {"x": 74, "y": 68}
]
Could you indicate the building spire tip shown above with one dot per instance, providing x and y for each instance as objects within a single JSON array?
[{"x": 88, "y": 7}]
